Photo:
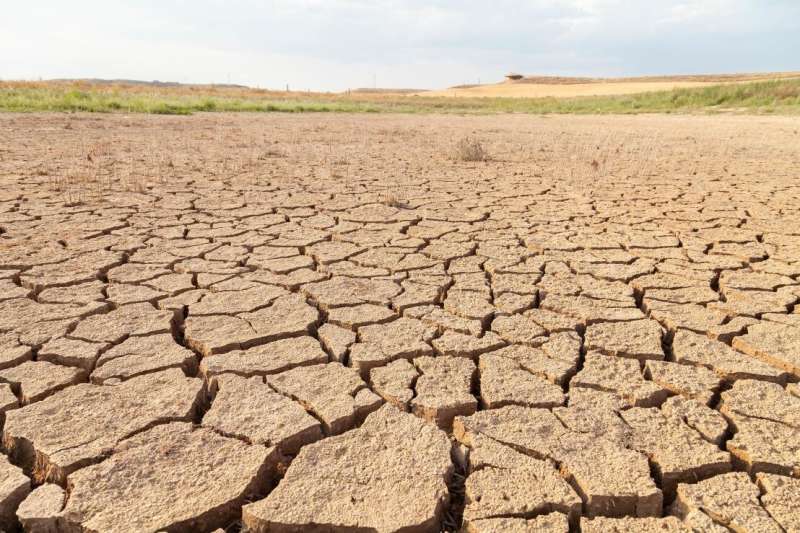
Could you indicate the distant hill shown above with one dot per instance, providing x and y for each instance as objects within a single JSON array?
[
  {"x": 154, "y": 83},
  {"x": 567, "y": 86},
  {"x": 701, "y": 78},
  {"x": 368, "y": 90}
]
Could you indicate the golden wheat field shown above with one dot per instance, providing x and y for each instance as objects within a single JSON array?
[{"x": 565, "y": 87}]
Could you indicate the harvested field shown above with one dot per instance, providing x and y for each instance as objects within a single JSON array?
[
  {"x": 566, "y": 87},
  {"x": 563, "y": 90},
  {"x": 343, "y": 323}
]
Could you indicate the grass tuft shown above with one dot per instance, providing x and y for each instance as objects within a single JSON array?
[{"x": 469, "y": 149}]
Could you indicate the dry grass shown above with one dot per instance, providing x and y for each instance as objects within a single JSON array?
[
  {"x": 86, "y": 172},
  {"x": 393, "y": 200},
  {"x": 470, "y": 149},
  {"x": 781, "y": 96},
  {"x": 349, "y": 150},
  {"x": 90, "y": 171}
]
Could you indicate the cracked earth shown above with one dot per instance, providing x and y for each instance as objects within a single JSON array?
[{"x": 326, "y": 323}]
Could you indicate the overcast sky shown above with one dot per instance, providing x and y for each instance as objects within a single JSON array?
[{"x": 340, "y": 44}]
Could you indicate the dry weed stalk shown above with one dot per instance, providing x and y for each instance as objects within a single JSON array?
[
  {"x": 393, "y": 200},
  {"x": 471, "y": 149}
]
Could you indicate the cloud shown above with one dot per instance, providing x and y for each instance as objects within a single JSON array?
[{"x": 336, "y": 44}]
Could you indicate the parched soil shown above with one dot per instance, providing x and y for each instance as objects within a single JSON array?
[{"x": 333, "y": 323}]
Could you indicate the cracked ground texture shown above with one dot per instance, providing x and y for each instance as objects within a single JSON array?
[{"x": 329, "y": 323}]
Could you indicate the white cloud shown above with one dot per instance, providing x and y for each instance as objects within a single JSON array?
[{"x": 336, "y": 44}]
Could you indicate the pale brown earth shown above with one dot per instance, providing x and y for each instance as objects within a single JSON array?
[{"x": 329, "y": 323}]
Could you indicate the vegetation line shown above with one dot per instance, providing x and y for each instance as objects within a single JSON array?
[{"x": 764, "y": 97}]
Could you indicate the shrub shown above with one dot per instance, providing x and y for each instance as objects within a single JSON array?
[{"x": 469, "y": 149}]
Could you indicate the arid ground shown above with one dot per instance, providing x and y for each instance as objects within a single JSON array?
[{"x": 337, "y": 323}]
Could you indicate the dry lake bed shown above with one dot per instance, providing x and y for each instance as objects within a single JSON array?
[{"x": 326, "y": 323}]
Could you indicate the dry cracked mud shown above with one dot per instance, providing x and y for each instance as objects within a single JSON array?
[{"x": 327, "y": 323}]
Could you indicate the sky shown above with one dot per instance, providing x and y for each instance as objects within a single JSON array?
[{"x": 333, "y": 45}]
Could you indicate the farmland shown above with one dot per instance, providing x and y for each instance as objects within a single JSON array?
[{"x": 760, "y": 96}]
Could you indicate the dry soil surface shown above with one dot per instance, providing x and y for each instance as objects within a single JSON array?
[{"x": 333, "y": 323}]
